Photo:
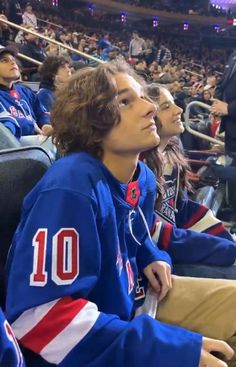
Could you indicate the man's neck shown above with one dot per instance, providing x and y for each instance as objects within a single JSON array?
[
  {"x": 6, "y": 82},
  {"x": 122, "y": 167}
]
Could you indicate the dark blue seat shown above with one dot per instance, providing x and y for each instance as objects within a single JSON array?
[{"x": 20, "y": 170}]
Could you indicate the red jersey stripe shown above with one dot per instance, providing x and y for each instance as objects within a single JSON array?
[
  {"x": 61, "y": 314},
  {"x": 196, "y": 217}
]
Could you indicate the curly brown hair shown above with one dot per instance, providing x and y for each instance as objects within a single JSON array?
[
  {"x": 86, "y": 108},
  {"x": 49, "y": 69}
]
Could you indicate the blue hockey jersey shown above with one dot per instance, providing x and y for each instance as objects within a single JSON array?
[
  {"x": 20, "y": 110},
  {"x": 46, "y": 97},
  {"x": 189, "y": 231},
  {"x": 10, "y": 354},
  {"x": 73, "y": 266}
]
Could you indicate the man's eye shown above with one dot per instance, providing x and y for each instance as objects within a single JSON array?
[{"x": 124, "y": 102}]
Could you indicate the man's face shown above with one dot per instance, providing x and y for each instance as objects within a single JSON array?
[
  {"x": 63, "y": 73},
  {"x": 31, "y": 37},
  {"x": 29, "y": 9},
  {"x": 8, "y": 67},
  {"x": 136, "y": 131}
]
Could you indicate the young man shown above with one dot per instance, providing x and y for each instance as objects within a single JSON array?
[
  {"x": 54, "y": 71},
  {"x": 20, "y": 109},
  {"x": 72, "y": 274}
]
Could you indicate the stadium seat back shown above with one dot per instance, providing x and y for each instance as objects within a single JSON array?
[
  {"x": 7, "y": 139},
  {"x": 20, "y": 170}
]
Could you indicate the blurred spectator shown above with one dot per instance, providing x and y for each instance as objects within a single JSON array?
[
  {"x": 225, "y": 105},
  {"x": 53, "y": 72},
  {"x": 82, "y": 45},
  {"x": 104, "y": 43},
  {"x": 65, "y": 38},
  {"x": 4, "y": 32},
  {"x": 20, "y": 111},
  {"x": 14, "y": 12},
  {"x": 163, "y": 55},
  {"x": 29, "y": 18},
  {"x": 137, "y": 46},
  {"x": 150, "y": 52},
  {"x": 206, "y": 97},
  {"x": 32, "y": 48},
  {"x": 52, "y": 50},
  {"x": 141, "y": 69}
]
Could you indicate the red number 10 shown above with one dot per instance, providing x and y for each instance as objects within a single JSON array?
[{"x": 65, "y": 257}]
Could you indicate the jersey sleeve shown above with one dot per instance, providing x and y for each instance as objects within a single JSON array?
[
  {"x": 194, "y": 216},
  {"x": 10, "y": 122},
  {"x": 149, "y": 252},
  {"x": 45, "y": 99},
  {"x": 10, "y": 353},
  {"x": 49, "y": 302},
  {"x": 190, "y": 247},
  {"x": 42, "y": 116}
]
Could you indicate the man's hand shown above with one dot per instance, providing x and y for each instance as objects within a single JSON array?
[
  {"x": 219, "y": 108},
  {"x": 159, "y": 275},
  {"x": 212, "y": 345},
  {"x": 47, "y": 129}
]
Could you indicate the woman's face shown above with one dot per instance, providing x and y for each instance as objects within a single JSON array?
[{"x": 169, "y": 115}]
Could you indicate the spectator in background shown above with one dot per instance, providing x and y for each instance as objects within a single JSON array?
[
  {"x": 53, "y": 72},
  {"x": 104, "y": 43},
  {"x": 150, "y": 52},
  {"x": 206, "y": 96},
  {"x": 20, "y": 110},
  {"x": 29, "y": 18},
  {"x": 225, "y": 104},
  {"x": 211, "y": 84},
  {"x": 141, "y": 69},
  {"x": 4, "y": 31},
  {"x": 14, "y": 12},
  {"x": 137, "y": 46},
  {"x": 51, "y": 50},
  {"x": 65, "y": 38},
  {"x": 82, "y": 45},
  {"x": 32, "y": 49},
  {"x": 163, "y": 55}
]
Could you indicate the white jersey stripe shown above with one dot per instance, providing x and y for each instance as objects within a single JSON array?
[
  {"x": 156, "y": 234},
  {"x": 30, "y": 318},
  {"x": 75, "y": 331},
  {"x": 207, "y": 221}
]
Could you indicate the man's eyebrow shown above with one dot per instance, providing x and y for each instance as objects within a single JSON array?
[
  {"x": 121, "y": 91},
  {"x": 125, "y": 90}
]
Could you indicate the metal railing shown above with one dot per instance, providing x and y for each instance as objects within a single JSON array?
[
  {"x": 61, "y": 27},
  {"x": 26, "y": 30},
  {"x": 194, "y": 132}
]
